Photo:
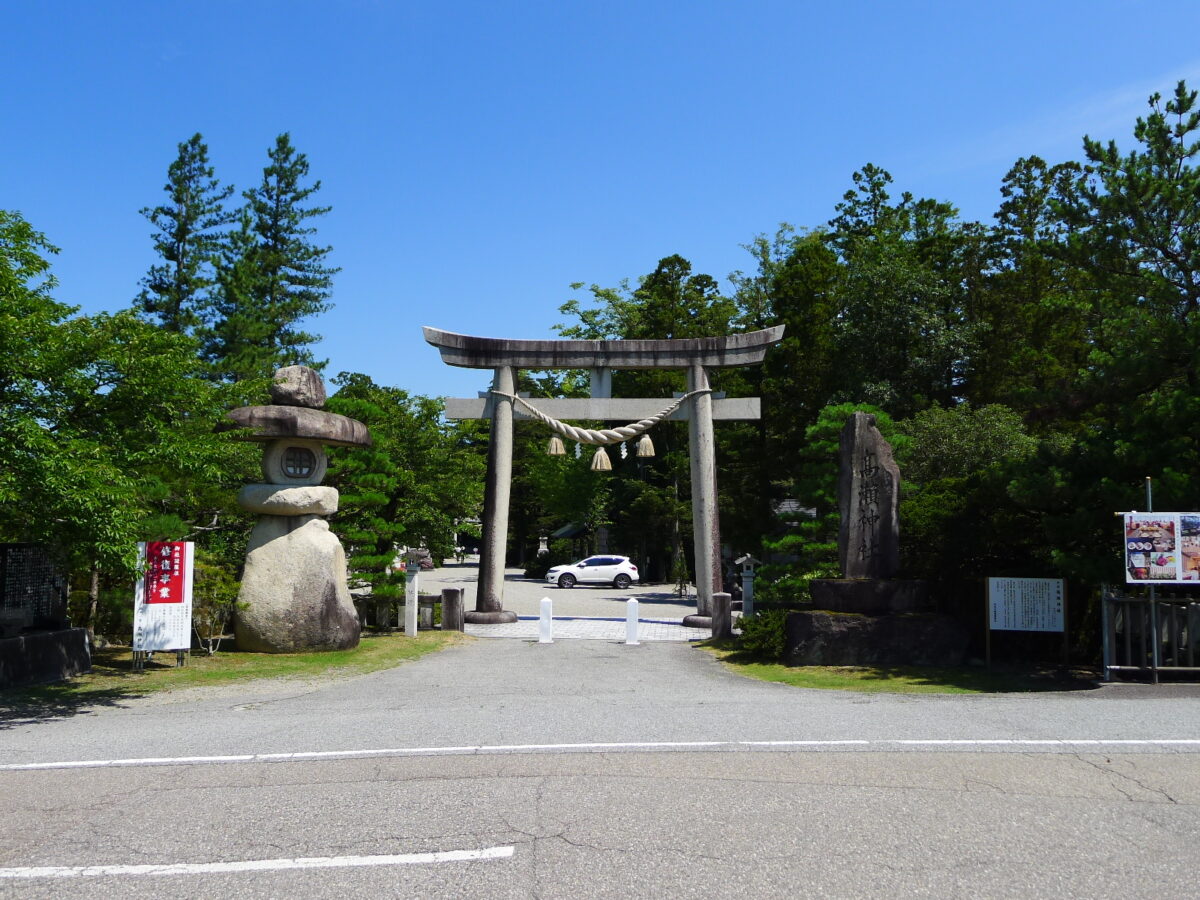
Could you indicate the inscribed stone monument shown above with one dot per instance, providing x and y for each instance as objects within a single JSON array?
[
  {"x": 868, "y": 616},
  {"x": 869, "y": 502}
]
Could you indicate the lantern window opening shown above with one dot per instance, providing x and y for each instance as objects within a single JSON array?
[{"x": 299, "y": 462}]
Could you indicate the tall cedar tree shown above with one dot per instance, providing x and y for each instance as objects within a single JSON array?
[
  {"x": 1033, "y": 317},
  {"x": 272, "y": 277},
  {"x": 189, "y": 234}
]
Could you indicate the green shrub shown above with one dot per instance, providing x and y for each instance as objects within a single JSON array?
[
  {"x": 214, "y": 598},
  {"x": 763, "y": 634}
]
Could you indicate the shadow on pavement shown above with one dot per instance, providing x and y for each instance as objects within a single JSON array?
[{"x": 49, "y": 702}]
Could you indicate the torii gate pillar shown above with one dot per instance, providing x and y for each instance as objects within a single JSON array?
[
  {"x": 489, "y": 597},
  {"x": 705, "y": 526},
  {"x": 505, "y": 357}
]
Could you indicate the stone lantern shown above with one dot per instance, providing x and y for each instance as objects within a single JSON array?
[
  {"x": 294, "y": 593},
  {"x": 748, "y": 564}
]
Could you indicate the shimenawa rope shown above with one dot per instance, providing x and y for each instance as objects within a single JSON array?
[{"x": 603, "y": 436}]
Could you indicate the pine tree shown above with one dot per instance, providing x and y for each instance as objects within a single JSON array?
[
  {"x": 239, "y": 344},
  {"x": 272, "y": 277},
  {"x": 189, "y": 235}
]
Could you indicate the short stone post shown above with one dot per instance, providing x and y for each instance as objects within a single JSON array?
[
  {"x": 452, "y": 610},
  {"x": 425, "y": 607},
  {"x": 411, "y": 599},
  {"x": 722, "y": 617},
  {"x": 546, "y": 622},
  {"x": 631, "y": 622},
  {"x": 383, "y": 613}
]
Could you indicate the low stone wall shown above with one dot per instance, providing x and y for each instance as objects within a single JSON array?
[
  {"x": 824, "y": 638},
  {"x": 43, "y": 657}
]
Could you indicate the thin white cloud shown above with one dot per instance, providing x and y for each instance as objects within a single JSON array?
[{"x": 1056, "y": 132}]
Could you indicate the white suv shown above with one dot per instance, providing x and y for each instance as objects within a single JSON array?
[{"x": 615, "y": 570}]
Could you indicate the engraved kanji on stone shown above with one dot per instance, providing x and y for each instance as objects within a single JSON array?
[{"x": 868, "y": 493}]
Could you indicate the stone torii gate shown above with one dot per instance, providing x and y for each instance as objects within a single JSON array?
[{"x": 505, "y": 357}]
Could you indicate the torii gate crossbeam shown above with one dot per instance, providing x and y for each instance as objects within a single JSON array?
[{"x": 505, "y": 357}]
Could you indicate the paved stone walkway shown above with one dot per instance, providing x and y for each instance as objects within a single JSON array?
[{"x": 594, "y": 629}]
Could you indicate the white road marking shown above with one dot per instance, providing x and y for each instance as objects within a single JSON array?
[
  {"x": 257, "y": 865},
  {"x": 1065, "y": 744}
]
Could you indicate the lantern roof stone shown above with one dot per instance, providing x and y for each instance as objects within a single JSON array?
[{"x": 269, "y": 423}]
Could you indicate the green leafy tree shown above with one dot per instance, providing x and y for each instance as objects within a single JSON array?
[
  {"x": 1132, "y": 226},
  {"x": 959, "y": 519},
  {"x": 189, "y": 233},
  {"x": 107, "y": 425},
  {"x": 239, "y": 343},
  {"x": 903, "y": 334},
  {"x": 795, "y": 284},
  {"x": 413, "y": 486}
]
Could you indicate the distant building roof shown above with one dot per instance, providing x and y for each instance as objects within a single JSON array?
[
  {"x": 792, "y": 509},
  {"x": 570, "y": 530}
]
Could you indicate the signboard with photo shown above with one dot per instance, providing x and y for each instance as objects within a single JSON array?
[
  {"x": 1162, "y": 548},
  {"x": 162, "y": 606}
]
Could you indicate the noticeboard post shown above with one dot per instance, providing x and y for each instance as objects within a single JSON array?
[
  {"x": 162, "y": 604},
  {"x": 1027, "y": 604},
  {"x": 1159, "y": 548}
]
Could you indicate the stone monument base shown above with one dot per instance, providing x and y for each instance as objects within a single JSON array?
[
  {"x": 870, "y": 596},
  {"x": 489, "y": 617},
  {"x": 44, "y": 656},
  {"x": 848, "y": 639},
  {"x": 294, "y": 592}
]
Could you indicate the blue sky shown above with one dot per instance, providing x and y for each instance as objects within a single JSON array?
[{"x": 482, "y": 156}]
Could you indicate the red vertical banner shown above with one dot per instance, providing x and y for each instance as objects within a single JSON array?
[
  {"x": 164, "y": 572},
  {"x": 162, "y": 597}
]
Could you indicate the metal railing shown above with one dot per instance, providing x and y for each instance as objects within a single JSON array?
[{"x": 1150, "y": 634}]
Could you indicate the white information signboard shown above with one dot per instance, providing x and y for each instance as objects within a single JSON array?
[
  {"x": 1025, "y": 604},
  {"x": 162, "y": 604}
]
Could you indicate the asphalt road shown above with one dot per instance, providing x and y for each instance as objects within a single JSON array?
[{"x": 511, "y": 769}]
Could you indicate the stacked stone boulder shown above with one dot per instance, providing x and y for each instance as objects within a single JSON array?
[{"x": 294, "y": 594}]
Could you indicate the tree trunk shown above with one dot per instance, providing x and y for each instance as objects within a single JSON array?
[{"x": 93, "y": 603}]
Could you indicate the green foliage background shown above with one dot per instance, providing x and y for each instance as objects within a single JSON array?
[{"x": 1030, "y": 371}]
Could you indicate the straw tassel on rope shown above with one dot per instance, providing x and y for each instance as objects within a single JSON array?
[{"x": 601, "y": 462}]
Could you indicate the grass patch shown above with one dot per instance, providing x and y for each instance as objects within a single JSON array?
[
  {"x": 904, "y": 679},
  {"x": 112, "y": 677}
]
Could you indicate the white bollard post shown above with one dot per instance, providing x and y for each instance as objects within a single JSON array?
[
  {"x": 546, "y": 622},
  {"x": 410, "y": 599},
  {"x": 631, "y": 622}
]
